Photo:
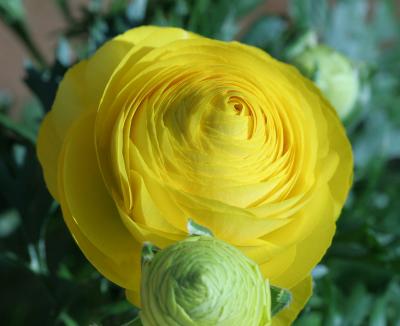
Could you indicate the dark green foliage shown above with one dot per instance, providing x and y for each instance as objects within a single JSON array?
[
  {"x": 45, "y": 280},
  {"x": 360, "y": 284}
]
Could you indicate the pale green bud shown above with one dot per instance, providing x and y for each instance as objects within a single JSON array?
[
  {"x": 203, "y": 281},
  {"x": 334, "y": 75}
]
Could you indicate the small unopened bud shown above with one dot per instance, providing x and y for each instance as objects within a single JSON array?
[
  {"x": 334, "y": 75},
  {"x": 204, "y": 281}
]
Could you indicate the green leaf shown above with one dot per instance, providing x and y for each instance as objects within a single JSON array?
[
  {"x": 95, "y": 6},
  {"x": 304, "y": 41},
  {"x": 268, "y": 33},
  {"x": 280, "y": 299},
  {"x": 13, "y": 14},
  {"x": 67, "y": 319},
  {"x": 19, "y": 130},
  {"x": 309, "y": 14},
  {"x": 378, "y": 314},
  {"x": 44, "y": 82},
  {"x": 65, "y": 8},
  {"x": 309, "y": 319},
  {"x": 358, "y": 305},
  {"x": 5, "y": 101},
  {"x": 244, "y": 7},
  {"x": 136, "y": 10},
  {"x": 64, "y": 52},
  {"x": 197, "y": 229},
  {"x": 31, "y": 115},
  {"x": 9, "y": 222},
  {"x": 11, "y": 11}
]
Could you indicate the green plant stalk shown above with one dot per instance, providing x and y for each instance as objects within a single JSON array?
[{"x": 20, "y": 30}]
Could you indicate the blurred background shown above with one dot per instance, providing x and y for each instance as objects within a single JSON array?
[{"x": 349, "y": 48}]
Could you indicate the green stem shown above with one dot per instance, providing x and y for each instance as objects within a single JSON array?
[
  {"x": 66, "y": 10},
  {"x": 26, "y": 39},
  {"x": 136, "y": 322}
]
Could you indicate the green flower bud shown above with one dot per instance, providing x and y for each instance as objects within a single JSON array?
[
  {"x": 333, "y": 73},
  {"x": 203, "y": 281}
]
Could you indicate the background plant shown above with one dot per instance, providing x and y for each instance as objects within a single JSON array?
[{"x": 45, "y": 280}]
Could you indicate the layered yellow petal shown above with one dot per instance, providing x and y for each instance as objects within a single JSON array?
[
  {"x": 79, "y": 91},
  {"x": 90, "y": 212}
]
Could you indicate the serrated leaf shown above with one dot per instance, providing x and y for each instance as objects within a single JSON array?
[{"x": 280, "y": 299}]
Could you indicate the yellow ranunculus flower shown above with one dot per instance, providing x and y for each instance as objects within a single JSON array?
[{"x": 161, "y": 125}]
